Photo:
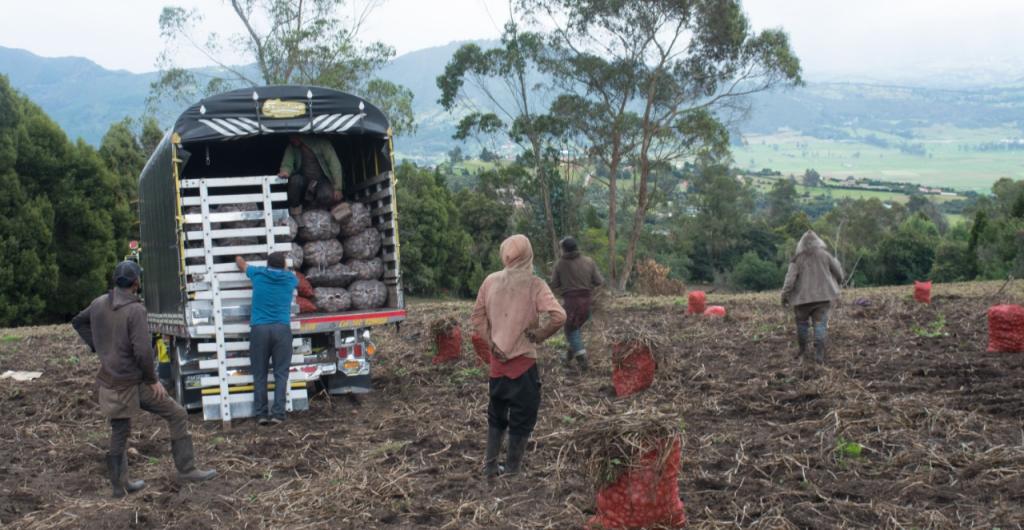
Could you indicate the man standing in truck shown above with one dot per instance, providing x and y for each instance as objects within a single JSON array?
[
  {"x": 270, "y": 335},
  {"x": 313, "y": 171},
  {"x": 115, "y": 327}
]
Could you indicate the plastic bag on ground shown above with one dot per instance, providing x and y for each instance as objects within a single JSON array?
[
  {"x": 337, "y": 275},
  {"x": 364, "y": 245},
  {"x": 367, "y": 269},
  {"x": 358, "y": 221},
  {"x": 923, "y": 292},
  {"x": 695, "y": 303},
  {"x": 1006, "y": 329},
  {"x": 332, "y": 299},
  {"x": 317, "y": 225},
  {"x": 322, "y": 253},
  {"x": 449, "y": 345},
  {"x": 646, "y": 494},
  {"x": 716, "y": 311},
  {"x": 634, "y": 367},
  {"x": 368, "y": 294}
]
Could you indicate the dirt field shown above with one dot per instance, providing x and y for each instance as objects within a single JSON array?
[{"x": 767, "y": 442}]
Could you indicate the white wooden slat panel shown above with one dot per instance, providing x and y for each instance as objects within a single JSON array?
[
  {"x": 197, "y": 235},
  {"x": 225, "y": 217},
  {"x": 240, "y": 362},
  {"x": 221, "y": 267},
  {"x": 233, "y": 199},
  {"x": 227, "y": 182},
  {"x": 237, "y": 251},
  {"x": 209, "y": 347}
]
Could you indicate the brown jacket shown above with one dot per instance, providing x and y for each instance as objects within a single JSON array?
[
  {"x": 115, "y": 326},
  {"x": 575, "y": 272},
  {"x": 813, "y": 275}
]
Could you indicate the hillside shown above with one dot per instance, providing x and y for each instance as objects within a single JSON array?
[
  {"x": 912, "y": 424},
  {"x": 929, "y": 122}
]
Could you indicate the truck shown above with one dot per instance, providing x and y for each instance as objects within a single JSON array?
[{"x": 210, "y": 191}]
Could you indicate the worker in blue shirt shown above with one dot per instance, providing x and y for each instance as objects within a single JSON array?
[{"x": 273, "y": 289}]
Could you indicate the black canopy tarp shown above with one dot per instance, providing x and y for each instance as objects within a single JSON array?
[{"x": 282, "y": 109}]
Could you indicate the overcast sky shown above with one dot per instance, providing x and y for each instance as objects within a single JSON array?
[{"x": 830, "y": 36}]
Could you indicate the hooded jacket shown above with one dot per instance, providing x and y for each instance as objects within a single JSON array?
[
  {"x": 575, "y": 272},
  {"x": 510, "y": 302},
  {"x": 813, "y": 275},
  {"x": 115, "y": 327},
  {"x": 291, "y": 163}
]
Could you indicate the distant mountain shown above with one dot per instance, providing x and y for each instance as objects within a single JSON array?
[{"x": 85, "y": 99}]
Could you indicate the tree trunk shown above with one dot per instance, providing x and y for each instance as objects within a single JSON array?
[
  {"x": 549, "y": 218},
  {"x": 613, "y": 206},
  {"x": 641, "y": 203}
]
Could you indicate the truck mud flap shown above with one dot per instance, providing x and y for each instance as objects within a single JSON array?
[{"x": 339, "y": 384}]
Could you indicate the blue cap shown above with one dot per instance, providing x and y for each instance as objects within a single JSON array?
[{"x": 127, "y": 273}]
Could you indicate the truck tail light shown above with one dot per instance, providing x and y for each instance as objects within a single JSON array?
[
  {"x": 357, "y": 350},
  {"x": 370, "y": 349}
]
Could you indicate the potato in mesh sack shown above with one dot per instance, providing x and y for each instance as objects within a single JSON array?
[
  {"x": 368, "y": 294},
  {"x": 293, "y": 228},
  {"x": 322, "y": 253},
  {"x": 367, "y": 269},
  {"x": 237, "y": 242},
  {"x": 332, "y": 299},
  {"x": 241, "y": 207},
  {"x": 364, "y": 245},
  {"x": 317, "y": 225},
  {"x": 358, "y": 221},
  {"x": 337, "y": 275},
  {"x": 297, "y": 255}
]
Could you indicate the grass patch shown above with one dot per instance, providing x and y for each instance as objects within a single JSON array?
[
  {"x": 932, "y": 330},
  {"x": 10, "y": 338}
]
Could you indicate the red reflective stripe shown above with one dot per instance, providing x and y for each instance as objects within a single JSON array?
[{"x": 358, "y": 316}]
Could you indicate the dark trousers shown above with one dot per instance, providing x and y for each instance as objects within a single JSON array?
[
  {"x": 514, "y": 402},
  {"x": 303, "y": 190},
  {"x": 270, "y": 341},
  {"x": 816, "y": 312},
  {"x": 121, "y": 426}
]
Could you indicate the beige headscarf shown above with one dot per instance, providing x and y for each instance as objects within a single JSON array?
[{"x": 511, "y": 308}]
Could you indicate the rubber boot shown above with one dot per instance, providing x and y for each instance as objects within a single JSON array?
[
  {"x": 516, "y": 449},
  {"x": 185, "y": 460},
  {"x": 802, "y": 338},
  {"x": 117, "y": 469},
  {"x": 581, "y": 359},
  {"x": 566, "y": 358},
  {"x": 494, "y": 439},
  {"x": 819, "y": 351}
]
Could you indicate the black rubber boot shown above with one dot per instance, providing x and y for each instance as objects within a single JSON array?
[
  {"x": 802, "y": 337},
  {"x": 566, "y": 358},
  {"x": 185, "y": 460},
  {"x": 494, "y": 439},
  {"x": 819, "y": 351},
  {"x": 516, "y": 449},
  {"x": 131, "y": 486},
  {"x": 114, "y": 471}
]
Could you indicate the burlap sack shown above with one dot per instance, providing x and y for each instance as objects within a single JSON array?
[
  {"x": 364, "y": 245},
  {"x": 332, "y": 299},
  {"x": 367, "y": 269},
  {"x": 322, "y": 253},
  {"x": 368, "y": 294},
  {"x": 358, "y": 221},
  {"x": 317, "y": 225}
]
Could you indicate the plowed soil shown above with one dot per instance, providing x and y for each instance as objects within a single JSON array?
[{"x": 939, "y": 424}]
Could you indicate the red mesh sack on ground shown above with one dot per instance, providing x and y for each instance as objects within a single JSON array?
[
  {"x": 305, "y": 305},
  {"x": 644, "y": 496},
  {"x": 695, "y": 303},
  {"x": 1006, "y": 329},
  {"x": 449, "y": 345},
  {"x": 923, "y": 292},
  {"x": 482, "y": 349},
  {"x": 714, "y": 311},
  {"x": 305, "y": 288},
  {"x": 634, "y": 367}
]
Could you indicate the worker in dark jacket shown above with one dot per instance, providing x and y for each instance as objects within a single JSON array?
[
  {"x": 313, "y": 171},
  {"x": 575, "y": 277},
  {"x": 115, "y": 327},
  {"x": 812, "y": 284}
]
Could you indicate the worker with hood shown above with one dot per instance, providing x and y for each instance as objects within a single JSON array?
[
  {"x": 507, "y": 315},
  {"x": 812, "y": 284},
  {"x": 115, "y": 327}
]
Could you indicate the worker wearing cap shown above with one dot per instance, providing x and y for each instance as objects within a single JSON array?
[{"x": 115, "y": 327}]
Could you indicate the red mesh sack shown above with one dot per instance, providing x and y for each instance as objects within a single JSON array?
[
  {"x": 923, "y": 292},
  {"x": 449, "y": 345},
  {"x": 695, "y": 303},
  {"x": 305, "y": 288},
  {"x": 1006, "y": 329},
  {"x": 714, "y": 311},
  {"x": 482, "y": 349},
  {"x": 634, "y": 368},
  {"x": 305, "y": 305},
  {"x": 644, "y": 496}
]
